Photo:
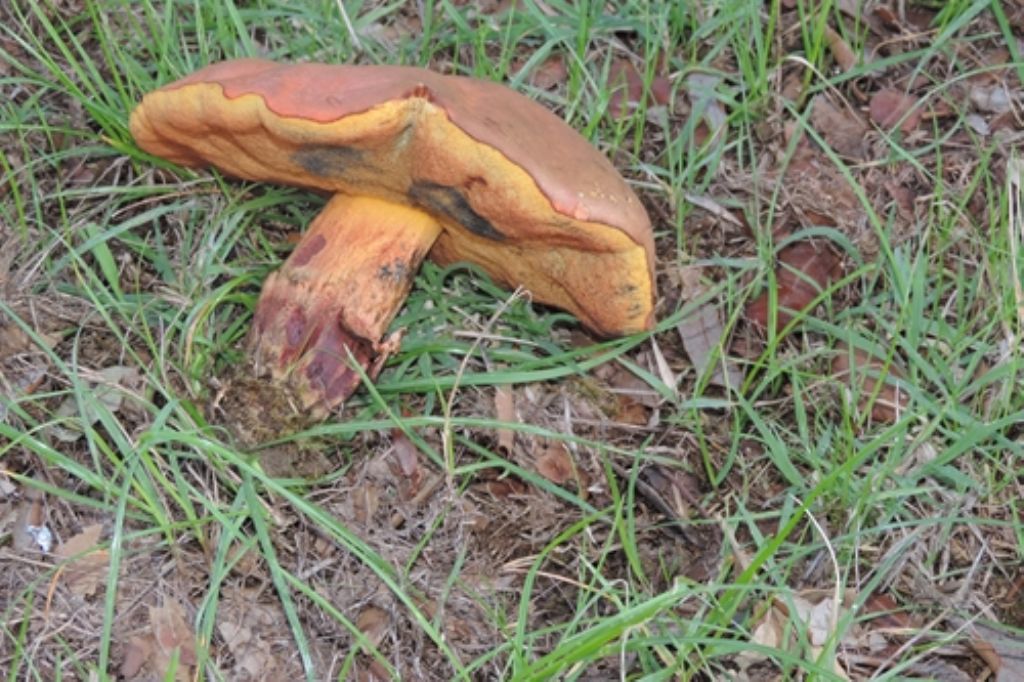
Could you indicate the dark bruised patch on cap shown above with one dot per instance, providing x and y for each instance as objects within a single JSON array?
[
  {"x": 328, "y": 162},
  {"x": 449, "y": 202}
]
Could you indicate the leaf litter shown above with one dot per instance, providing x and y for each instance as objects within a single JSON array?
[{"x": 85, "y": 563}]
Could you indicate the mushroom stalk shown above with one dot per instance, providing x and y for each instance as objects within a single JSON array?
[{"x": 331, "y": 302}]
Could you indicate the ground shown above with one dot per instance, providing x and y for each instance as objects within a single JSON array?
[{"x": 809, "y": 469}]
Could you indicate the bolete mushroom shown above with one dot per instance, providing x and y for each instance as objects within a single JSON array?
[{"x": 417, "y": 163}]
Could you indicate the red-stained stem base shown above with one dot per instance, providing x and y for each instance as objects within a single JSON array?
[{"x": 333, "y": 299}]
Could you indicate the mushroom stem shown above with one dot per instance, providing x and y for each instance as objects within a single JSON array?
[{"x": 336, "y": 295}]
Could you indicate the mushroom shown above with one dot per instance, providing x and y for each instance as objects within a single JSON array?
[{"x": 417, "y": 164}]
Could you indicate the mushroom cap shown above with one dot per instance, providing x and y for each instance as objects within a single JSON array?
[{"x": 518, "y": 191}]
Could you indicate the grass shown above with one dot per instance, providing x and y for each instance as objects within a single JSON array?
[{"x": 118, "y": 259}]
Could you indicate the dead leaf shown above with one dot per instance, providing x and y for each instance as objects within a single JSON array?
[
  {"x": 505, "y": 487},
  {"x": 365, "y": 502},
  {"x": 679, "y": 490},
  {"x": 30, "y": 532},
  {"x": 505, "y": 411},
  {"x": 862, "y": 372},
  {"x": 903, "y": 197},
  {"x": 13, "y": 339},
  {"x": 236, "y": 635},
  {"x": 137, "y": 653},
  {"x": 629, "y": 411},
  {"x": 375, "y": 672},
  {"x": 841, "y": 51},
  {"x": 109, "y": 387},
  {"x": 840, "y": 127},
  {"x": 704, "y": 339},
  {"x": 473, "y": 519},
  {"x": 978, "y": 124},
  {"x": 661, "y": 91},
  {"x": 491, "y": 7},
  {"x": 702, "y": 89},
  {"x": 373, "y": 622},
  {"x": 555, "y": 463},
  {"x": 622, "y": 381},
  {"x": 888, "y": 17},
  {"x": 626, "y": 84},
  {"x": 816, "y": 614},
  {"x": 881, "y": 610},
  {"x": 251, "y": 630},
  {"x": 805, "y": 269},
  {"x": 407, "y": 456},
  {"x": 631, "y": 399},
  {"x": 87, "y": 565},
  {"x": 1002, "y": 651},
  {"x": 22, "y": 365},
  {"x": 173, "y": 639},
  {"x": 768, "y": 632},
  {"x": 890, "y": 107},
  {"x": 548, "y": 75},
  {"x": 690, "y": 280},
  {"x": 397, "y": 29},
  {"x": 991, "y": 99},
  {"x": 716, "y": 209}
]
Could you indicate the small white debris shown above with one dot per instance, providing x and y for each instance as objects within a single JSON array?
[{"x": 42, "y": 537}]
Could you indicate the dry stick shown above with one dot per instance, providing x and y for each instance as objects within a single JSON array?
[
  {"x": 676, "y": 522},
  {"x": 1014, "y": 225},
  {"x": 397, "y": 519}
]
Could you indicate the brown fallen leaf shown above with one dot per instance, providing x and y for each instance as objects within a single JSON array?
[
  {"x": 555, "y": 463},
  {"x": 504, "y": 487},
  {"x": 365, "y": 502},
  {"x": 373, "y": 622},
  {"x": 238, "y": 637},
  {"x": 117, "y": 389},
  {"x": 1002, "y": 652},
  {"x": 845, "y": 57},
  {"x": 505, "y": 411},
  {"x": 374, "y": 672},
  {"x": 250, "y": 628},
  {"x": 472, "y": 519},
  {"x": 881, "y": 610},
  {"x": 627, "y": 88},
  {"x": 631, "y": 399},
  {"x": 818, "y": 616},
  {"x": 840, "y": 127},
  {"x": 13, "y": 339},
  {"x": 630, "y": 412},
  {"x": 626, "y": 84},
  {"x": 407, "y": 461},
  {"x": 22, "y": 365},
  {"x": 703, "y": 91},
  {"x": 704, "y": 338},
  {"x": 551, "y": 73},
  {"x": 137, "y": 653},
  {"x": 173, "y": 639},
  {"x": 805, "y": 269},
  {"x": 903, "y": 197},
  {"x": 888, "y": 17},
  {"x": 87, "y": 565},
  {"x": 29, "y": 532},
  {"x": 889, "y": 107},
  {"x": 862, "y": 372}
]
